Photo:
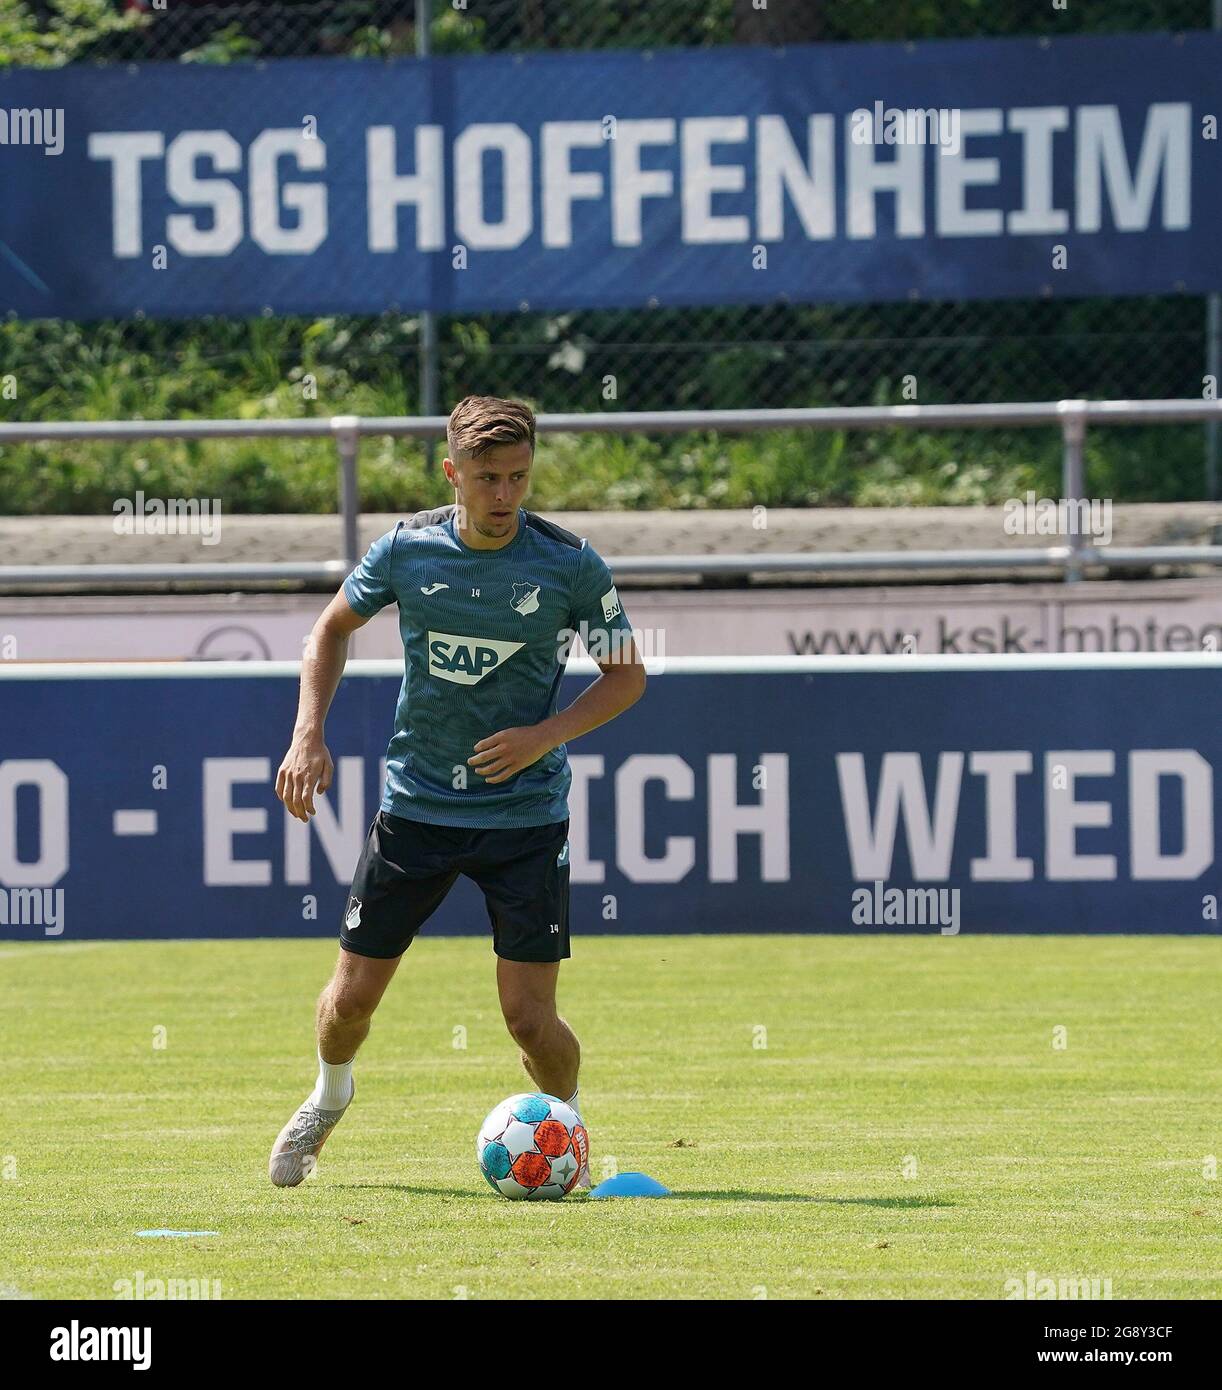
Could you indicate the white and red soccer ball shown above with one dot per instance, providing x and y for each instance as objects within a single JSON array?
[{"x": 532, "y": 1147}]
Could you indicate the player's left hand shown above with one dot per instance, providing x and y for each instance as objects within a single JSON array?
[{"x": 501, "y": 756}]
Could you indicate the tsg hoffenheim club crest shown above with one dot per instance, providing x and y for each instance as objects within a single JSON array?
[{"x": 525, "y": 598}]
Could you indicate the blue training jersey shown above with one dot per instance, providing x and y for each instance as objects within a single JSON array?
[{"x": 485, "y": 634}]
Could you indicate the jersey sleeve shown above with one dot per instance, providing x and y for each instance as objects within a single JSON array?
[
  {"x": 368, "y": 588},
  {"x": 596, "y": 604}
]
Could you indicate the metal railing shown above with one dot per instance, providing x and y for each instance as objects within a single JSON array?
[{"x": 1071, "y": 559}]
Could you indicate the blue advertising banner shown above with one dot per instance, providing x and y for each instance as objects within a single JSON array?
[
  {"x": 949, "y": 170},
  {"x": 942, "y": 795}
]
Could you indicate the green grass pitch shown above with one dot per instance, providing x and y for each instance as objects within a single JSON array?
[{"x": 838, "y": 1117}]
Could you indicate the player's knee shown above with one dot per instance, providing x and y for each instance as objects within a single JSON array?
[
  {"x": 529, "y": 1028},
  {"x": 350, "y": 1005}
]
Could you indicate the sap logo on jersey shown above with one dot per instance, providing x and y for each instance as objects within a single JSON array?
[{"x": 466, "y": 660}]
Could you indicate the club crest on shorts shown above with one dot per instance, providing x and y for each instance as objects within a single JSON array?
[
  {"x": 353, "y": 918},
  {"x": 525, "y": 598},
  {"x": 563, "y": 857}
]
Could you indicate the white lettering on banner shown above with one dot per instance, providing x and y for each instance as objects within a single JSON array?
[
  {"x": 701, "y": 178},
  {"x": 1131, "y": 181},
  {"x": 680, "y": 785},
  {"x": 585, "y": 768},
  {"x": 871, "y": 830},
  {"x": 871, "y": 834},
  {"x": 126, "y": 151},
  {"x": 1065, "y": 815},
  {"x": 388, "y": 191},
  {"x": 308, "y": 201},
  {"x": 341, "y": 837},
  {"x": 511, "y": 146},
  {"x": 219, "y": 196},
  {"x": 52, "y": 784},
  {"x": 1001, "y": 863},
  {"x": 869, "y": 172},
  {"x": 956, "y": 173},
  {"x": 1102, "y": 159},
  {"x": 562, "y": 184},
  {"x": 780, "y": 170},
  {"x": 222, "y": 198},
  {"x": 1195, "y": 776},
  {"x": 223, "y": 820},
  {"x": 1164, "y": 816},
  {"x": 768, "y": 818},
  {"x": 1036, "y": 125},
  {"x": 630, "y": 183},
  {"x": 901, "y": 787}
]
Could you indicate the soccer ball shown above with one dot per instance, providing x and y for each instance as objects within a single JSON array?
[{"x": 532, "y": 1146}]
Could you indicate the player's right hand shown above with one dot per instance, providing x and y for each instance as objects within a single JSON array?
[{"x": 307, "y": 768}]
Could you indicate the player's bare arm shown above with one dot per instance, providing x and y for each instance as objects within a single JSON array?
[
  {"x": 622, "y": 683},
  {"x": 307, "y": 767}
]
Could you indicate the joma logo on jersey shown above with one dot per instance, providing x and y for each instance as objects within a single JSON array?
[{"x": 466, "y": 660}]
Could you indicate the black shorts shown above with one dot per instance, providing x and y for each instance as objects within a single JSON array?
[{"x": 407, "y": 868}]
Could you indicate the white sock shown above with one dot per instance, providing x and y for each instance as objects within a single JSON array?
[{"x": 333, "y": 1090}]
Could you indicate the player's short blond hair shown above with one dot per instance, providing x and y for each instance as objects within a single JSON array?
[{"x": 480, "y": 423}]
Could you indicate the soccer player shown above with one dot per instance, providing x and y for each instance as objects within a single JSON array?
[{"x": 477, "y": 776}]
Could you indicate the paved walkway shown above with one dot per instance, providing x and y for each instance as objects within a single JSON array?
[{"x": 91, "y": 539}]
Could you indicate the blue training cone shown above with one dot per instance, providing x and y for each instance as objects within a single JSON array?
[{"x": 630, "y": 1185}]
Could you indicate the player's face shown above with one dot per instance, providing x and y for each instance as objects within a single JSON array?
[{"x": 492, "y": 487}]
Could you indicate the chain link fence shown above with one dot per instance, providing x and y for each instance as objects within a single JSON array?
[
  {"x": 735, "y": 356},
  {"x": 203, "y": 30}
]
